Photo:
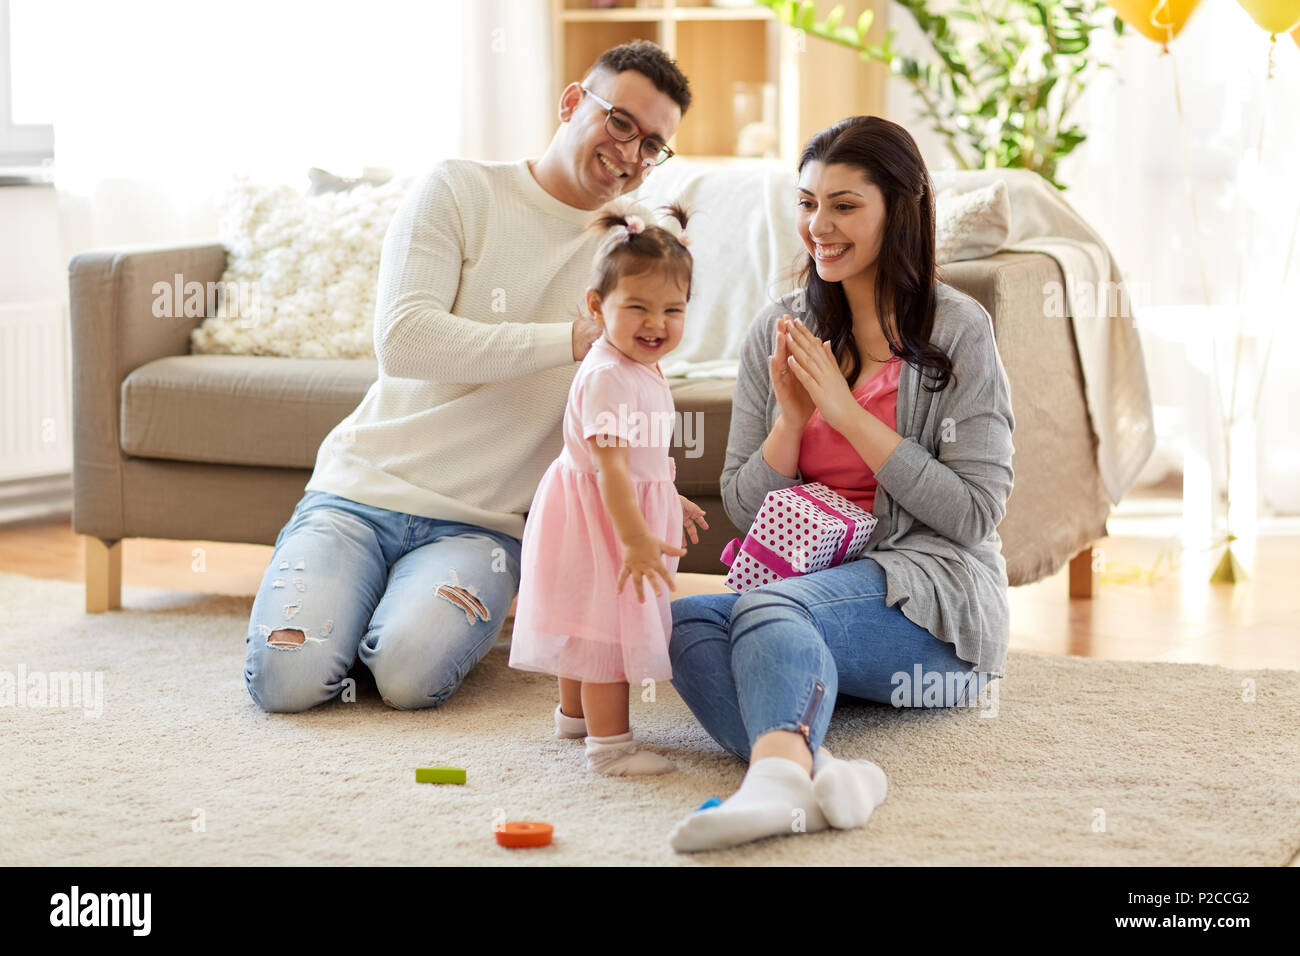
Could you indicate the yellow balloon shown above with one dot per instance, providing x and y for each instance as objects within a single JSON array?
[
  {"x": 1159, "y": 20},
  {"x": 1275, "y": 16},
  {"x": 1295, "y": 35}
]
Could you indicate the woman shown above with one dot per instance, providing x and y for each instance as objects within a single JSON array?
[{"x": 884, "y": 343}]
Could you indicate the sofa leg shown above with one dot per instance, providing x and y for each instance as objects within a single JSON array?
[
  {"x": 1081, "y": 574},
  {"x": 103, "y": 574}
]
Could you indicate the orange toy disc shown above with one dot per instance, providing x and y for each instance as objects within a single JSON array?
[{"x": 524, "y": 833}]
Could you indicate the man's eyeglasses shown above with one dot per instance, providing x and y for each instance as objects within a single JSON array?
[{"x": 623, "y": 129}]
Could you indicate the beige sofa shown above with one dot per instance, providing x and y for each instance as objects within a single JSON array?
[{"x": 218, "y": 448}]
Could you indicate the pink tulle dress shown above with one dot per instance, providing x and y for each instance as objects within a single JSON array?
[{"x": 568, "y": 621}]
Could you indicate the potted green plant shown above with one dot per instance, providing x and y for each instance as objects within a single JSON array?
[{"x": 1000, "y": 78}]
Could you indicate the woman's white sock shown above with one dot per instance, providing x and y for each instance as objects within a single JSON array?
[
  {"x": 775, "y": 798},
  {"x": 621, "y": 756},
  {"x": 847, "y": 791}
]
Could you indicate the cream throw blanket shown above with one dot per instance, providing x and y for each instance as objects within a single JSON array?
[{"x": 1105, "y": 330}]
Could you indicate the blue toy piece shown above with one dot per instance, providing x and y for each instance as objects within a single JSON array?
[{"x": 709, "y": 804}]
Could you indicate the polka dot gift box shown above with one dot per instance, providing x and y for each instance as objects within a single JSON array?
[{"x": 798, "y": 530}]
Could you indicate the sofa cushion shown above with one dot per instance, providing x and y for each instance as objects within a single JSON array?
[
  {"x": 260, "y": 410},
  {"x": 302, "y": 274},
  {"x": 972, "y": 224},
  {"x": 704, "y": 405},
  {"x": 237, "y": 409}
]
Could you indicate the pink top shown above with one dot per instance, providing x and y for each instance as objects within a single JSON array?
[
  {"x": 618, "y": 396},
  {"x": 826, "y": 456}
]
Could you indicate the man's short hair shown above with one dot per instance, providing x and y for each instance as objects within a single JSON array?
[{"x": 651, "y": 62}]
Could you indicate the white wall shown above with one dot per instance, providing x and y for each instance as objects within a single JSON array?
[{"x": 31, "y": 266}]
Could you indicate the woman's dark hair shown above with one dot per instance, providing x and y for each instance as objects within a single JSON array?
[
  {"x": 634, "y": 253},
  {"x": 905, "y": 268}
]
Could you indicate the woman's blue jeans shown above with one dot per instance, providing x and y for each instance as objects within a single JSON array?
[
  {"x": 776, "y": 657},
  {"x": 419, "y": 600}
]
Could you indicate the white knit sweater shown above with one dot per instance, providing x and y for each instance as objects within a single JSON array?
[{"x": 480, "y": 279}]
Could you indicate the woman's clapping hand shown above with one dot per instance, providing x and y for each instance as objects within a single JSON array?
[
  {"x": 813, "y": 365},
  {"x": 796, "y": 404}
]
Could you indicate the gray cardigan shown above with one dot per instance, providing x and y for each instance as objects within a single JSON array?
[{"x": 940, "y": 495}]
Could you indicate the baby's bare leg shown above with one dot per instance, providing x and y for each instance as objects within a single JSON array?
[
  {"x": 605, "y": 707},
  {"x": 571, "y": 697}
]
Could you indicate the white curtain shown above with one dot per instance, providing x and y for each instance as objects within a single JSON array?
[
  {"x": 157, "y": 104},
  {"x": 1130, "y": 181},
  {"x": 509, "y": 97},
  {"x": 1203, "y": 239}
]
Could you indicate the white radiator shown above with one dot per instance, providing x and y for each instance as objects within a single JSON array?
[{"x": 35, "y": 391}]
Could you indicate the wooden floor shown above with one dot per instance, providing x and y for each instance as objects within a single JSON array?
[{"x": 1173, "y": 614}]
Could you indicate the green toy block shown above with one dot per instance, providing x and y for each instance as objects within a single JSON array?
[{"x": 439, "y": 775}]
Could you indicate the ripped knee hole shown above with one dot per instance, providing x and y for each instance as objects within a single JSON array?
[
  {"x": 287, "y": 637},
  {"x": 465, "y": 597}
]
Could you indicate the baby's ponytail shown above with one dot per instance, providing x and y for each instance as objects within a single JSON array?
[
  {"x": 676, "y": 213},
  {"x": 638, "y": 241}
]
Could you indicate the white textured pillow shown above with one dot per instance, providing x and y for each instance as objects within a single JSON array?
[
  {"x": 971, "y": 224},
  {"x": 305, "y": 270}
]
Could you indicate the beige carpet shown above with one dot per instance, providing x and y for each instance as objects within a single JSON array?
[{"x": 1184, "y": 771}]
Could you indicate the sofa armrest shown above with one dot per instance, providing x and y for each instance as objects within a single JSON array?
[
  {"x": 1058, "y": 505},
  {"x": 1003, "y": 280},
  {"x": 114, "y": 331}
]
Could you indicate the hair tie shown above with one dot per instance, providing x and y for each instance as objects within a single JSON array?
[
  {"x": 634, "y": 225},
  {"x": 672, "y": 225}
]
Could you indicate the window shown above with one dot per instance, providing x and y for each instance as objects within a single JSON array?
[{"x": 26, "y": 138}]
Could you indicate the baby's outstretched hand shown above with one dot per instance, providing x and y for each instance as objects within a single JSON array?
[
  {"x": 692, "y": 515},
  {"x": 642, "y": 558}
]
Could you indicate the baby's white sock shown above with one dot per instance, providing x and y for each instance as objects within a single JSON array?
[
  {"x": 621, "y": 756},
  {"x": 774, "y": 798},
  {"x": 569, "y": 728},
  {"x": 847, "y": 791}
]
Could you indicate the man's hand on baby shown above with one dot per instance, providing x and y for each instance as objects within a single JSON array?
[
  {"x": 692, "y": 515},
  {"x": 585, "y": 331},
  {"x": 643, "y": 558}
]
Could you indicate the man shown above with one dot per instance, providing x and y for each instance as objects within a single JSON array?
[{"x": 404, "y": 550}]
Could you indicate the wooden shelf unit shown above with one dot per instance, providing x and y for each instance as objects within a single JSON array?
[{"x": 816, "y": 82}]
